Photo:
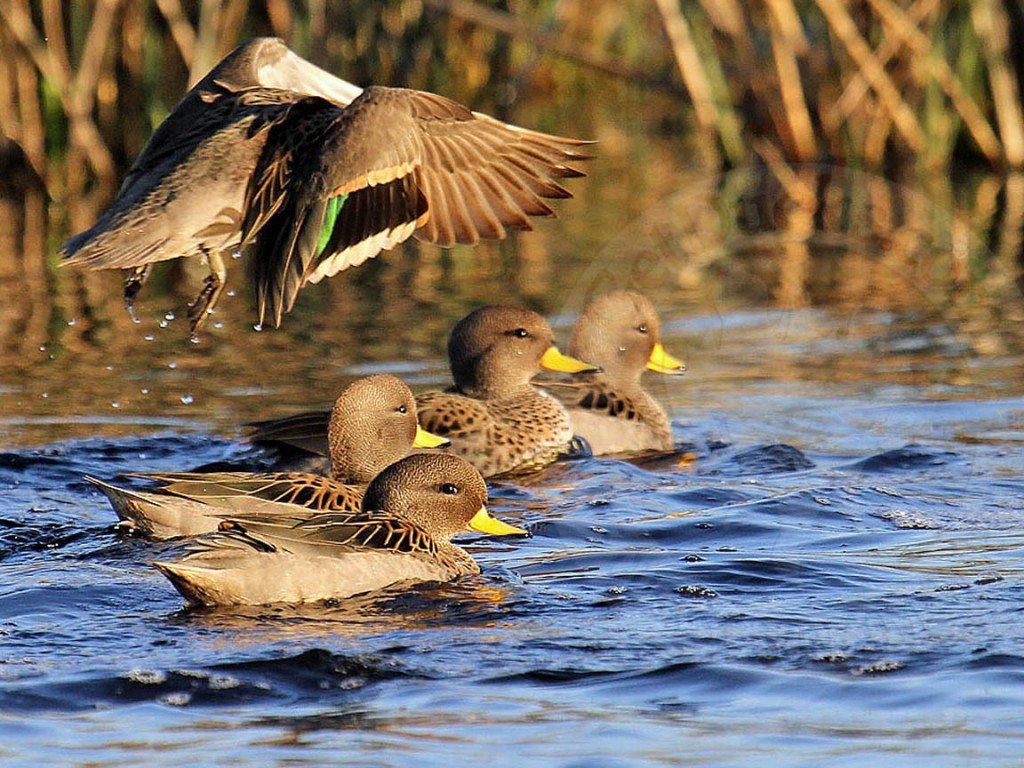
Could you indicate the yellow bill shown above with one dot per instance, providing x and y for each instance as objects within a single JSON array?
[
  {"x": 426, "y": 439},
  {"x": 554, "y": 360},
  {"x": 661, "y": 361},
  {"x": 482, "y": 522}
]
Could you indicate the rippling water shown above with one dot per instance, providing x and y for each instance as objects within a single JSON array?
[{"x": 827, "y": 571}]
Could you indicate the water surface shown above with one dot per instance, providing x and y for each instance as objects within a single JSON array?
[{"x": 827, "y": 571}]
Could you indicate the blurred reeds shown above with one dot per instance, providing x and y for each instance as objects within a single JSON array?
[{"x": 875, "y": 83}]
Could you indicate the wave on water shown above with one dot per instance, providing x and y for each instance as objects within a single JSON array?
[{"x": 315, "y": 674}]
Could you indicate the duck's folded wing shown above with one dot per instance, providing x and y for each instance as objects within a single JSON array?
[
  {"x": 334, "y": 187},
  {"x": 332, "y": 534},
  {"x": 593, "y": 396},
  {"x": 305, "y": 431},
  {"x": 241, "y": 491}
]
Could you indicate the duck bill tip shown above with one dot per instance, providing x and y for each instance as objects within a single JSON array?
[
  {"x": 482, "y": 522},
  {"x": 660, "y": 361},
  {"x": 555, "y": 360},
  {"x": 425, "y": 439}
]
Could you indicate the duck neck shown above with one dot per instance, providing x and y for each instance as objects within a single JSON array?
[
  {"x": 503, "y": 392},
  {"x": 355, "y": 458}
]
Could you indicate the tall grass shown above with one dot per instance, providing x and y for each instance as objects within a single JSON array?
[{"x": 877, "y": 83}]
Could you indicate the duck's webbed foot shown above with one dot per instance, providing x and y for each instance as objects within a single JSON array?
[
  {"x": 206, "y": 301},
  {"x": 132, "y": 285}
]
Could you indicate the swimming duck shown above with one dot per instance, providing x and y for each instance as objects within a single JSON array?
[
  {"x": 310, "y": 175},
  {"x": 611, "y": 410},
  {"x": 403, "y": 535},
  {"x": 372, "y": 424},
  {"x": 495, "y": 418}
]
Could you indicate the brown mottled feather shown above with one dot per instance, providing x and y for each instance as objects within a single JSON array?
[
  {"x": 450, "y": 175},
  {"x": 304, "y": 490}
]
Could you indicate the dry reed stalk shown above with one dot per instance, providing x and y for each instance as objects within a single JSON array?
[
  {"x": 795, "y": 187},
  {"x": 787, "y": 19},
  {"x": 992, "y": 26},
  {"x": 87, "y": 77},
  {"x": 795, "y": 260},
  {"x": 10, "y": 125},
  {"x": 206, "y": 41},
  {"x": 919, "y": 44},
  {"x": 879, "y": 128},
  {"x": 182, "y": 33},
  {"x": 281, "y": 18},
  {"x": 33, "y": 127},
  {"x": 545, "y": 41},
  {"x": 714, "y": 118},
  {"x": 1010, "y": 242},
  {"x": 726, "y": 15},
  {"x": 688, "y": 60},
  {"x": 845, "y": 29},
  {"x": 53, "y": 29},
  {"x": 232, "y": 24},
  {"x": 858, "y": 87},
  {"x": 730, "y": 130},
  {"x": 83, "y": 129},
  {"x": 801, "y": 131}
]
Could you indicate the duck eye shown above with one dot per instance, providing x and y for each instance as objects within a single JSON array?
[
  {"x": 450, "y": 489},
  {"x": 519, "y": 333},
  {"x": 403, "y": 409},
  {"x": 642, "y": 327}
]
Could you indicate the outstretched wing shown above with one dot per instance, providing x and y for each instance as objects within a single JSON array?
[{"x": 334, "y": 187}]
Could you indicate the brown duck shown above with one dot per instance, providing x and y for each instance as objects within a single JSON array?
[
  {"x": 310, "y": 175},
  {"x": 372, "y": 424},
  {"x": 402, "y": 536},
  {"x": 619, "y": 331},
  {"x": 495, "y": 418}
]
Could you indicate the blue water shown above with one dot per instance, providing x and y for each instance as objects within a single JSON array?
[{"x": 828, "y": 571}]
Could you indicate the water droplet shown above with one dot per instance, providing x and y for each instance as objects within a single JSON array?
[
  {"x": 187, "y": 399},
  {"x": 169, "y": 316},
  {"x": 42, "y": 348},
  {"x": 218, "y": 324},
  {"x": 230, "y": 292},
  {"x": 236, "y": 254},
  {"x": 258, "y": 327},
  {"x": 46, "y": 394},
  {"x": 115, "y": 404},
  {"x": 144, "y": 390},
  {"x": 172, "y": 365},
  {"x": 194, "y": 338},
  {"x": 163, "y": 323},
  {"x": 149, "y": 337},
  {"x": 110, "y": 367},
  {"x": 72, "y": 322}
]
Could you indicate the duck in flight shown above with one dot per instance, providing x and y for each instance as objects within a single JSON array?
[{"x": 308, "y": 175}]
